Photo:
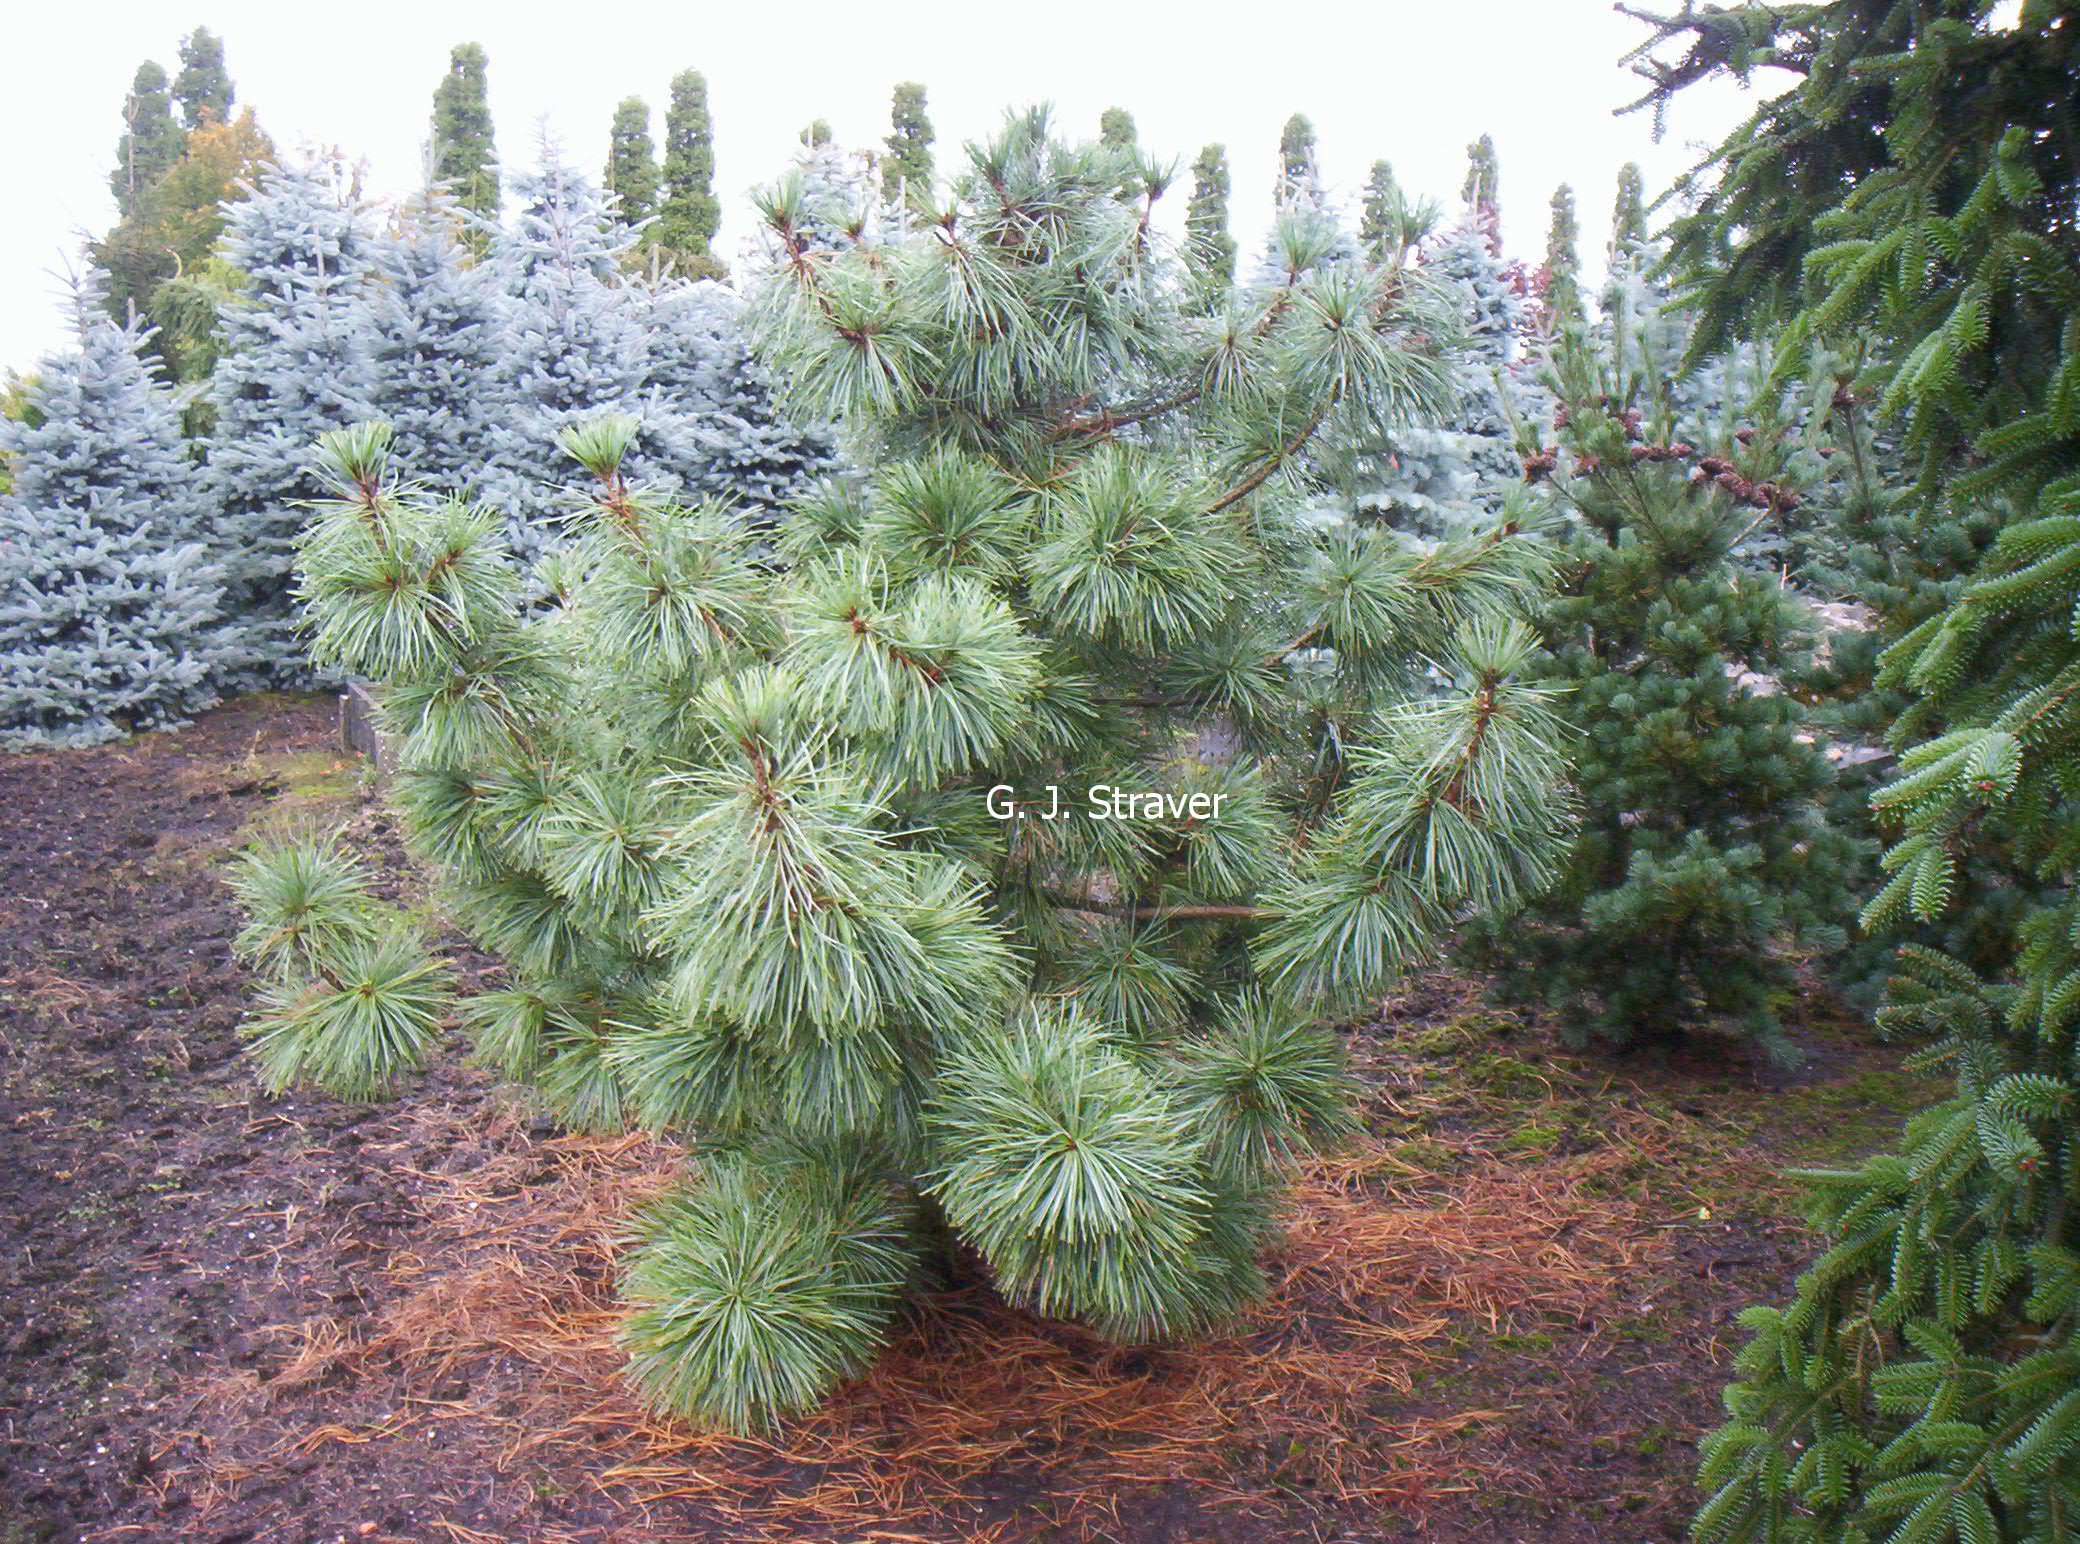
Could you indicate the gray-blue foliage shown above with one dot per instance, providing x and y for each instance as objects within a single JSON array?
[
  {"x": 109, "y": 603},
  {"x": 294, "y": 364}
]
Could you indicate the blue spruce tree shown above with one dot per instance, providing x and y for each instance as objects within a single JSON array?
[
  {"x": 573, "y": 344},
  {"x": 433, "y": 325},
  {"x": 711, "y": 426},
  {"x": 293, "y": 365},
  {"x": 108, "y": 600}
]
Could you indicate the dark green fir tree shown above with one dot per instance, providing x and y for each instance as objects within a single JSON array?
[
  {"x": 1628, "y": 213},
  {"x": 1910, "y": 196},
  {"x": 1391, "y": 224},
  {"x": 1298, "y": 170},
  {"x": 1482, "y": 188}
]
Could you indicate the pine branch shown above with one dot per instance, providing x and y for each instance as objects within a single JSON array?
[
  {"x": 1141, "y": 912},
  {"x": 1285, "y": 453}
]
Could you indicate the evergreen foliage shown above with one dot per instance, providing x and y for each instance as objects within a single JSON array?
[
  {"x": 108, "y": 599},
  {"x": 162, "y": 260},
  {"x": 293, "y": 364},
  {"x": 1902, "y": 565},
  {"x": 1482, "y": 189},
  {"x": 571, "y": 344},
  {"x": 1209, "y": 251},
  {"x": 712, "y": 429},
  {"x": 688, "y": 215},
  {"x": 906, "y": 171},
  {"x": 1559, "y": 281},
  {"x": 350, "y": 996},
  {"x": 1442, "y": 476},
  {"x": 1299, "y": 174},
  {"x": 729, "y": 812},
  {"x": 1704, "y": 850},
  {"x": 829, "y": 202},
  {"x": 1116, "y": 129},
  {"x": 203, "y": 88},
  {"x": 1628, "y": 213},
  {"x": 1393, "y": 225},
  {"x": 632, "y": 172},
  {"x": 151, "y": 140},
  {"x": 464, "y": 154},
  {"x": 1308, "y": 229},
  {"x": 573, "y": 338},
  {"x": 1915, "y": 188},
  {"x": 432, "y": 323}
]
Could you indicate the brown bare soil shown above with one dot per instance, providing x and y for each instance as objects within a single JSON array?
[{"x": 1503, "y": 1314}]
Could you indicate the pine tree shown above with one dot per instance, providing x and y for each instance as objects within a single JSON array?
[
  {"x": 1628, "y": 213},
  {"x": 464, "y": 155},
  {"x": 827, "y": 200},
  {"x": 736, "y": 817},
  {"x": 1912, "y": 191},
  {"x": 150, "y": 144},
  {"x": 1704, "y": 851},
  {"x": 632, "y": 175},
  {"x": 1209, "y": 252},
  {"x": 203, "y": 88},
  {"x": 1559, "y": 281},
  {"x": 906, "y": 171},
  {"x": 688, "y": 215},
  {"x": 108, "y": 601},
  {"x": 292, "y": 365}
]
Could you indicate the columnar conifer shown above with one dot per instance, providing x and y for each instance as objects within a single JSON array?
[
  {"x": 908, "y": 164},
  {"x": 1209, "y": 248},
  {"x": 688, "y": 215},
  {"x": 632, "y": 175},
  {"x": 464, "y": 156},
  {"x": 151, "y": 140},
  {"x": 203, "y": 87}
]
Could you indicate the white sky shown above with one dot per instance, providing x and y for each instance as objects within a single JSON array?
[{"x": 1409, "y": 80}]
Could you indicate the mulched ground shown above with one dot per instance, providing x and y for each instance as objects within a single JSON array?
[{"x": 224, "y": 1316}]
